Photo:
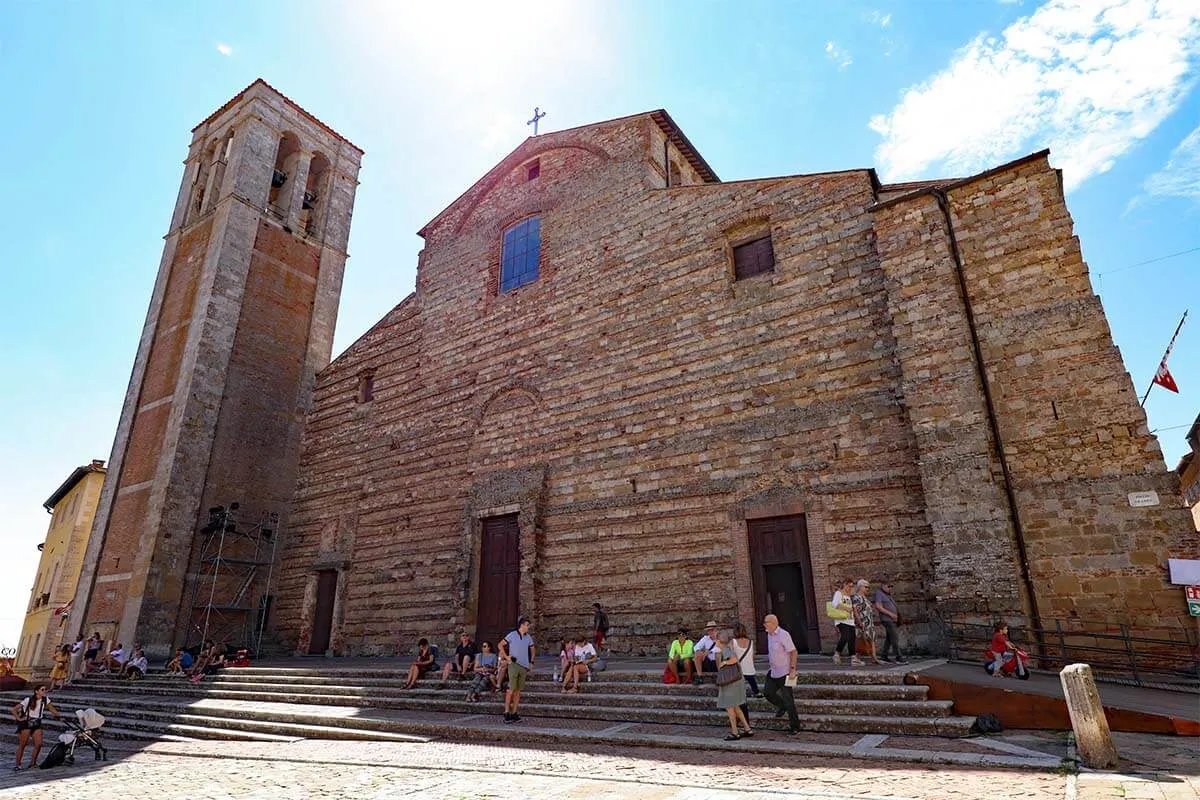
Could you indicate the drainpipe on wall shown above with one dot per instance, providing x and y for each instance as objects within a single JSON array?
[
  {"x": 993, "y": 424},
  {"x": 667, "y": 162}
]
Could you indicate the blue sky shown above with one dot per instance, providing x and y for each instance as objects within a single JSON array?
[{"x": 100, "y": 99}]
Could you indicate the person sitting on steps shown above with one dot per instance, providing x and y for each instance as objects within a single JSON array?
[
  {"x": 115, "y": 660},
  {"x": 202, "y": 659},
  {"x": 680, "y": 656},
  {"x": 464, "y": 659},
  {"x": 181, "y": 663},
  {"x": 213, "y": 662},
  {"x": 566, "y": 662},
  {"x": 583, "y": 657},
  {"x": 706, "y": 652},
  {"x": 137, "y": 666},
  {"x": 486, "y": 667},
  {"x": 426, "y": 661}
]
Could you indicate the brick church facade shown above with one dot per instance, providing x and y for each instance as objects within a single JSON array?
[{"x": 622, "y": 380}]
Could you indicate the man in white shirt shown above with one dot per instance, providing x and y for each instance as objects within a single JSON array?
[
  {"x": 115, "y": 660},
  {"x": 706, "y": 655},
  {"x": 585, "y": 656},
  {"x": 781, "y": 655}
]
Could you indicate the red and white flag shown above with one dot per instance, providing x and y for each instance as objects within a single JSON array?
[{"x": 1163, "y": 378}]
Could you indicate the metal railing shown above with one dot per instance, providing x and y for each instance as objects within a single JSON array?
[{"x": 1169, "y": 661}]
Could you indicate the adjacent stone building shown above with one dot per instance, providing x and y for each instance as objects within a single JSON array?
[
  {"x": 622, "y": 380},
  {"x": 1188, "y": 471},
  {"x": 72, "y": 510}
]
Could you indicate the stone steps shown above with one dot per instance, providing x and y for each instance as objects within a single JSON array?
[
  {"x": 126, "y": 718},
  {"x": 821, "y": 715},
  {"x": 288, "y": 703},
  {"x": 593, "y": 701},
  {"x": 284, "y": 721},
  {"x": 353, "y": 686},
  {"x": 839, "y": 675}
]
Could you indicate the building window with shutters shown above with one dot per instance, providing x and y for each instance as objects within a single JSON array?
[
  {"x": 520, "y": 254},
  {"x": 754, "y": 257}
]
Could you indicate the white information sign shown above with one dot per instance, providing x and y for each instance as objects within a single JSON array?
[
  {"x": 1143, "y": 499},
  {"x": 1184, "y": 571}
]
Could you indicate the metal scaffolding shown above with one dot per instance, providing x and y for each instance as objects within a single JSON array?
[{"x": 231, "y": 592}]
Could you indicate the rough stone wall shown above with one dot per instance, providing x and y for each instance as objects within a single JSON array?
[
  {"x": 241, "y": 320},
  {"x": 634, "y": 406},
  {"x": 1075, "y": 436},
  {"x": 974, "y": 553}
]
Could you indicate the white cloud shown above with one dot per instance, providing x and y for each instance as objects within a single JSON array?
[
  {"x": 1088, "y": 78},
  {"x": 224, "y": 49},
  {"x": 837, "y": 55},
  {"x": 878, "y": 18},
  {"x": 1180, "y": 176}
]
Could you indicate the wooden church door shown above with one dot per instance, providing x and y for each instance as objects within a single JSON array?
[{"x": 499, "y": 578}]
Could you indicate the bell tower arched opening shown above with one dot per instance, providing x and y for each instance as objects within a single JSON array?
[
  {"x": 287, "y": 156},
  {"x": 314, "y": 195}
]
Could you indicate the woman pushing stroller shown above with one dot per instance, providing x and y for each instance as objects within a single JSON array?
[{"x": 29, "y": 714}]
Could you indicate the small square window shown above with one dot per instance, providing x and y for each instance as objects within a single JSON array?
[
  {"x": 366, "y": 386},
  {"x": 533, "y": 169},
  {"x": 753, "y": 258},
  {"x": 520, "y": 254}
]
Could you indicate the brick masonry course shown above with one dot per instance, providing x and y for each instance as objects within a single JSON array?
[{"x": 635, "y": 406}]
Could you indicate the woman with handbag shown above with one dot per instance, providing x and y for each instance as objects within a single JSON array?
[
  {"x": 864, "y": 617},
  {"x": 731, "y": 689},
  {"x": 841, "y": 611}
]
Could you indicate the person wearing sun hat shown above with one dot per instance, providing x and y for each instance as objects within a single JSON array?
[{"x": 706, "y": 652}]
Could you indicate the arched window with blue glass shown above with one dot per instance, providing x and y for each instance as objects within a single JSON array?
[{"x": 520, "y": 254}]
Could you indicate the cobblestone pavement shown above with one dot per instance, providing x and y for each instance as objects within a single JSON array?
[
  {"x": 363, "y": 770},
  {"x": 1159, "y": 768}
]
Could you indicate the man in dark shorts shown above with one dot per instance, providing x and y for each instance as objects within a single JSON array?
[
  {"x": 92, "y": 650},
  {"x": 464, "y": 658},
  {"x": 518, "y": 647}
]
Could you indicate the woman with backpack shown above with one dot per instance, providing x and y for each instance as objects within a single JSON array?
[{"x": 29, "y": 713}]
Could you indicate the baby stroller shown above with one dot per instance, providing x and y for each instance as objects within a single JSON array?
[{"x": 84, "y": 729}]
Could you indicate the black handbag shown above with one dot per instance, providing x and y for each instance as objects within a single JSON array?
[{"x": 731, "y": 673}]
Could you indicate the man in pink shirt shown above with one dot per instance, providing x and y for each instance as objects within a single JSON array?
[{"x": 781, "y": 656}]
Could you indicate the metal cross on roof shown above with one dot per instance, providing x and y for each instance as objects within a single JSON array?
[{"x": 537, "y": 115}]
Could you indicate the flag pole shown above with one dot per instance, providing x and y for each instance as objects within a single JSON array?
[{"x": 1166, "y": 355}]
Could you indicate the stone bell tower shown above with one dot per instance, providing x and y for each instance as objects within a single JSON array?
[{"x": 241, "y": 319}]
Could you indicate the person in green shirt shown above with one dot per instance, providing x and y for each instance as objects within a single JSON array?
[{"x": 680, "y": 656}]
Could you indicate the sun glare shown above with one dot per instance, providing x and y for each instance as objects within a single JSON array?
[{"x": 475, "y": 43}]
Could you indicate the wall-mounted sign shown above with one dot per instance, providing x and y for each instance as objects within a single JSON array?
[
  {"x": 1184, "y": 571},
  {"x": 1143, "y": 499},
  {"x": 1193, "y": 599}
]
